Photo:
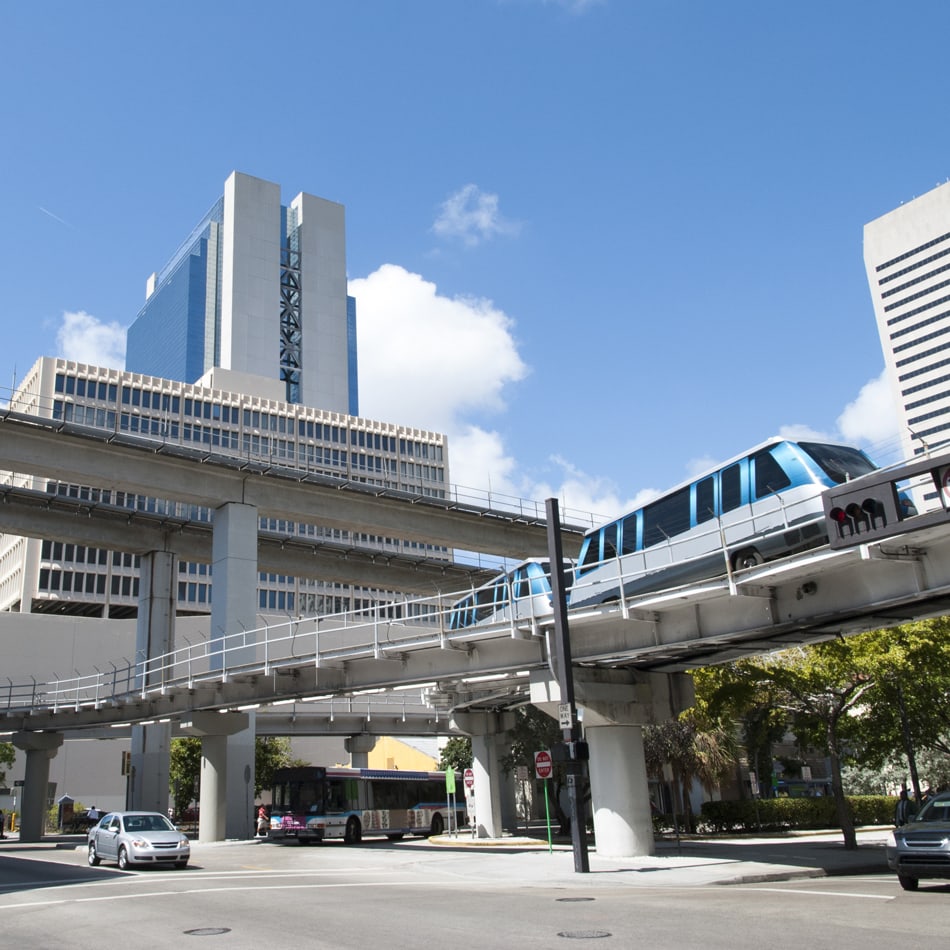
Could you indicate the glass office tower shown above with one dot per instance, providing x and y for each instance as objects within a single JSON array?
[{"x": 257, "y": 291}]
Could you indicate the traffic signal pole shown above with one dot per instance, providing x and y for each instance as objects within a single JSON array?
[{"x": 575, "y": 766}]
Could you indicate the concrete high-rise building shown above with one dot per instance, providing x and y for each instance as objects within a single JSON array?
[
  {"x": 256, "y": 293},
  {"x": 907, "y": 257},
  {"x": 44, "y": 576}
]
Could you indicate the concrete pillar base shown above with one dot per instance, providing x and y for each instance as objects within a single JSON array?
[{"x": 39, "y": 747}]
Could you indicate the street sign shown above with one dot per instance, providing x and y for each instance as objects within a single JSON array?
[
  {"x": 543, "y": 766},
  {"x": 469, "y": 778},
  {"x": 564, "y": 715}
]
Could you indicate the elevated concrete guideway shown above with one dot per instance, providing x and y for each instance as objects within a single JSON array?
[
  {"x": 47, "y": 515},
  {"x": 88, "y": 456}
]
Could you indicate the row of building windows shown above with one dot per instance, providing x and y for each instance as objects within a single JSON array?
[
  {"x": 913, "y": 313},
  {"x": 87, "y": 388},
  {"x": 921, "y": 356},
  {"x": 170, "y": 406},
  {"x": 915, "y": 266},
  {"x": 911, "y": 253},
  {"x": 933, "y": 414},
  {"x": 897, "y": 334},
  {"x": 930, "y": 367},
  {"x": 921, "y": 339},
  {"x": 917, "y": 296},
  {"x": 918, "y": 280}
]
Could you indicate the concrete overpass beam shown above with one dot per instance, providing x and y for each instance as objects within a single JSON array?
[
  {"x": 39, "y": 747},
  {"x": 487, "y": 733}
]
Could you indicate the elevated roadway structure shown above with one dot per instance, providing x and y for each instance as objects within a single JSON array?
[{"x": 629, "y": 655}]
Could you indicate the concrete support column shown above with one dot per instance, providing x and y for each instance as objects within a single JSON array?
[
  {"x": 155, "y": 637},
  {"x": 39, "y": 747},
  {"x": 359, "y": 747},
  {"x": 487, "y": 733},
  {"x": 212, "y": 810},
  {"x": 233, "y": 617},
  {"x": 216, "y": 768},
  {"x": 616, "y": 705},
  {"x": 620, "y": 794}
]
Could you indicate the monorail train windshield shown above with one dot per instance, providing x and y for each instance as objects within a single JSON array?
[{"x": 757, "y": 507}]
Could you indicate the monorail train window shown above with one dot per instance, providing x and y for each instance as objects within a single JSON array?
[
  {"x": 610, "y": 541},
  {"x": 730, "y": 488},
  {"x": 519, "y": 583},
  {"x": 628, "y": 534},
  {"x": 666, "y": 518},
  {"x": 770, "y": 477},
  {"x": 705, "y": 500},
  {"x": 839, "y": 462},
  {"x": 590, "y": 555}
]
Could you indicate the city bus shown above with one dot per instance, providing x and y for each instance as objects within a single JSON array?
[
  {"x": 758, "y": 506},
  {"x": 317, "y": 803}
]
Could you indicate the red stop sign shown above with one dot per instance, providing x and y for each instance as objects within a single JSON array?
[{"x": 543, "y": 767}]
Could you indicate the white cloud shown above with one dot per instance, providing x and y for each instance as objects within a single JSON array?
[
  {"x": 872, "y": 417},
  {"x": 428, "y": 360},
  {"x": 473, "y": 216},
  {"x": 86, "y": 339}
]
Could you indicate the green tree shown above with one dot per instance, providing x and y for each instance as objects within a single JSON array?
[
  {"x": 184, "y": 773},
  {"x": 822, "y": 691},
  {"x": 7, "y": 758},
  {"x": 271, "y": 753},
  {"x": 697, "y": 746},
  {"x": 536, "y": 731},
  {"x": 456, "y": 754},
  {"x": 908, "y": 712}
]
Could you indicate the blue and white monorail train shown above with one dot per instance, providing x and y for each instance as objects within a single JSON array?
[
  {"x": 758, "y": 506},
  {"x": 521, "y": 594}
]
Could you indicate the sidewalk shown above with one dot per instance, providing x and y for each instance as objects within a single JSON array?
[{"x": 694, "y": 860}]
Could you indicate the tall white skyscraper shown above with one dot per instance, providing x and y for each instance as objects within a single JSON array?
[{"x": 907, "y": 256}]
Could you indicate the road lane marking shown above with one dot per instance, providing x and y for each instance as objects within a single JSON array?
[{"x": 795, "y": 890}]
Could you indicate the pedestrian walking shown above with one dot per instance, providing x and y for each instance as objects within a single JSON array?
[{"x": 905, "y": 809}]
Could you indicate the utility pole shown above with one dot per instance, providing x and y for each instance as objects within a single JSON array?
[{"x": 575, "y": 764}]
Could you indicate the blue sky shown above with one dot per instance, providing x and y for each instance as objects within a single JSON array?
[{"x": 598, "y": 243}]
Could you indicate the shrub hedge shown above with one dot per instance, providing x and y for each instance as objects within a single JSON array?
[{"x": 783, "y": 814}]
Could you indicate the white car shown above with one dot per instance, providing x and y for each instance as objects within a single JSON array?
[
  {"x": 921, "y": 848},
  {"x": 137, "y": 837}
]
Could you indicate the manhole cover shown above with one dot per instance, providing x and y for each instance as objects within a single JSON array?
[
  {"x": 583, "y": 934},
  {"x": 207, "y": 931}
]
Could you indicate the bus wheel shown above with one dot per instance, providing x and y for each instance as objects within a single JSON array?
[
  {"x": 353, "y": 833},
  {"x": 438, "y": 826},
  {"x": 747, "y": 558}
]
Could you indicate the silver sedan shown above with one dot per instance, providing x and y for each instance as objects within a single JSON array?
[{"x": 137, "y": 837}]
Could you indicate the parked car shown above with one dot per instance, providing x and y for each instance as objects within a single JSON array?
[
  {"x": 137, "y": 837},
  {"x": 921, "y": 848}
]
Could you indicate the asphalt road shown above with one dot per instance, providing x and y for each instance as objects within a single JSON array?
[{"x": 415, "y": 893}]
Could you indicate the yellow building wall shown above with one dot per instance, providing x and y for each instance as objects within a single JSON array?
[{"x": 390, "y": 753}]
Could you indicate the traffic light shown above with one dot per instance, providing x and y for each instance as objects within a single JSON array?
[{"x": 864, "y": 510}]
